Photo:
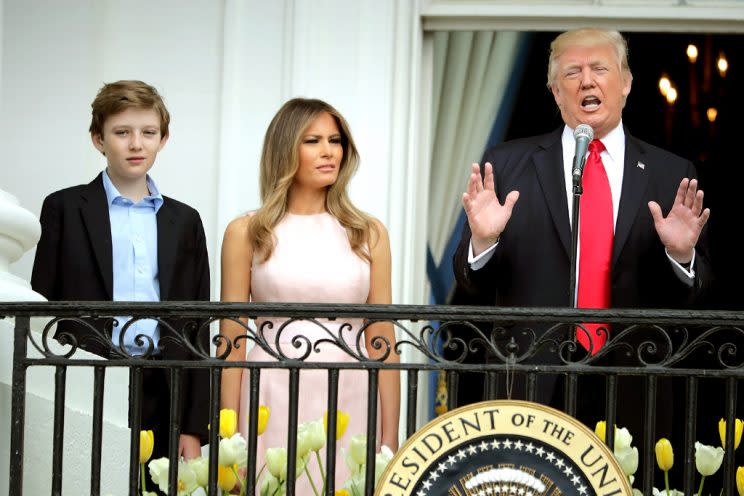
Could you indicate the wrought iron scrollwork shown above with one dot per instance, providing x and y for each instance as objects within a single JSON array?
[
  {"x": 96, "y": 334},
  {"x": 506, "y": 340}
]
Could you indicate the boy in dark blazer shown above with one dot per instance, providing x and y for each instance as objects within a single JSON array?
[{"x": 119, "y": 239}]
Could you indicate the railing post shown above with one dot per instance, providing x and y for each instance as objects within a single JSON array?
[
  {"x": 60, "y": 387},
  {"x": 294, "y": 391},
  {"x": 215, "y": 379},
  {"x": 412, "y": 399},
  {"x": 690, "y": 436},
  {"x": 175, "y": 415},
  {"x": 649, "y": 415},
  {"x": 372, "y": 385},
  {"x": 135, "y": 412},
  {"x": 729, "y": 466},
  {"x": 255, "y": 384},
  {"x": 96, "y": 447},
  {"x": 331, "y": 423},
  {"x": 18, "y": 404}
]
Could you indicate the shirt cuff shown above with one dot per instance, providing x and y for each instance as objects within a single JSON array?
[
  {"x": 477, "y": 262},
  {"x": 685, "y": 274}
]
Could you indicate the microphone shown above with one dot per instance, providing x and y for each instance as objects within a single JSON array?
[{"x": 583, "y": 134}]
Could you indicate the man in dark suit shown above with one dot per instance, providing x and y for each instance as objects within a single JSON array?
[
  {"x": 119, "y": 239},
  {"x": 515, "y": 248}
]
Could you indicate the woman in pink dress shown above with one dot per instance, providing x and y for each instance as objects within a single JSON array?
[{"x": 308, "y": 243}]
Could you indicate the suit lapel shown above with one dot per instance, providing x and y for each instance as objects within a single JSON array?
[
  {"x": 548, "y": 162},
  {"x": 95, "y": 213},
  {"x": 635, "y": 182},
  {"x": 167, "y": 247}
]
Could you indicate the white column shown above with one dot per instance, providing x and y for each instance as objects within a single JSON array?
[{"x": 19, "y": 232}]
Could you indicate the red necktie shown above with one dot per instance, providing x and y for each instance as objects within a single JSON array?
[{"x": 596, "y": 230}]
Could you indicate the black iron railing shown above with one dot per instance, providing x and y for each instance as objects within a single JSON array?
[{"x": 657, "y": 347}]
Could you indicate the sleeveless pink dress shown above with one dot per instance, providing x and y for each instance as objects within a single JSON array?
[{"x": 312, "y": 263}]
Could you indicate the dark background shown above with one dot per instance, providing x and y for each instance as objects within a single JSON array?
[{"x": 715, "y": 149}]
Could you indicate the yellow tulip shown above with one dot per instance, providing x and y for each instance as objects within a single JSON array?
[
  {"x": 740, "y": 480},
  {"x": 342, "y": 420},
  {"x": 263, "y": 418},
  {"x": 738, "y": 429},
  {"x": 664, "y": 454},
  {"x": 147, "y": 441},
  {"x": 344, "y": 492},
  {"x": 226, "y": 477},
  {"x": 600, "y": 430},
  {"x": 228, "y": 422}
]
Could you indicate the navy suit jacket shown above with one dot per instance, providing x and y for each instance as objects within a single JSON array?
[
  {"x": 531, "y": 264},
  {"x": 74, "y": 262}
]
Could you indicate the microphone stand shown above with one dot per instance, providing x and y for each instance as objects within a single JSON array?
[
  {"x": 571, "y": 388},
  {"x": 577, "y": 191}
]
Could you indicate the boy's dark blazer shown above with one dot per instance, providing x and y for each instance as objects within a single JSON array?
[{"x": 74, "y": 262}]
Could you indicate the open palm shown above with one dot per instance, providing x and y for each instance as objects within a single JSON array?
[
  {"x": 487, "y": 217},
  {"x": 680, "y": 229}
]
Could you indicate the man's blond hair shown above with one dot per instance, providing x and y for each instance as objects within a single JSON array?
[{"x": 588, "y": 37}]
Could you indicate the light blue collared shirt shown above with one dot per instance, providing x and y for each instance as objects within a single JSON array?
[{"x": 134, "y": 249}]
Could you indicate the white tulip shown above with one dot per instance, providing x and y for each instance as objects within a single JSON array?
[
  {"x": 276, "y": 462},
  {"x": 316, "y": 434},
  {"x": 186, "y": 479},
  {"x": 628, "y": 460},
  {"x": 232, "y": 450},
  {"x": 622, "y": 439},
  {"x": 272, "y": 487},
  {"x": 310, "y": 437},
  {"x": 672, "y": 492},
  {"x": 301, "y": 464},
  {"x": 381, "y": 461},
  {"x": 200, "y": 466},
  {"x": 358, "y": 449},
  {"x": 159, "y": 473},
  {"x": 708, "y": 459}
]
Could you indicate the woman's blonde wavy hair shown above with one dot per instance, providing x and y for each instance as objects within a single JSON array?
[{"x": 279, "y": 163}]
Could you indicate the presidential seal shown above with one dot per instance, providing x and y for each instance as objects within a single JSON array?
[{"x": 504, "y": 448}]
